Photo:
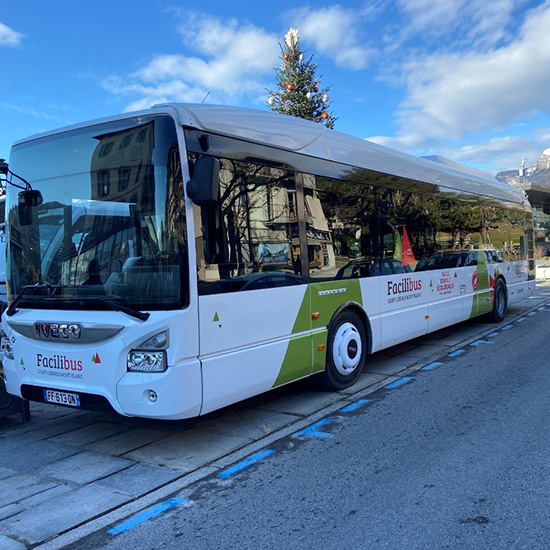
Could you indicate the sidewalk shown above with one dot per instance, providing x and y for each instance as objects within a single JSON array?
[{"x": 68, "y": 473}]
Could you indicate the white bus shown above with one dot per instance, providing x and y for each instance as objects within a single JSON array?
[
  {"x": 3, "y": 295},
  {"x": 170, "y": 262}
]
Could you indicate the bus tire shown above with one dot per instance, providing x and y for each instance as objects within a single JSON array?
[
  {"x": 346, "y": 351},
  {"x": 500, "y": 302}
]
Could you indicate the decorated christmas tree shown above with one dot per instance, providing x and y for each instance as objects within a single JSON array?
[{"x": 299, "y": 92}]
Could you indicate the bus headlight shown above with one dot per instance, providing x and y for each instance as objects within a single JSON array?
[
  {"x": 146, "y": 361},
  {"x": 7, "y": 347}
]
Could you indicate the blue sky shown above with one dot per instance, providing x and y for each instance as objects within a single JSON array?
[{"x": 466, "y": 79}]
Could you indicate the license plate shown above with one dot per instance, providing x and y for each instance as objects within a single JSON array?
[{"x": 62, "y": 398}]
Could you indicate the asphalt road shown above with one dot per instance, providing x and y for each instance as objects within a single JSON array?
[{"x": 456, "y": 456}]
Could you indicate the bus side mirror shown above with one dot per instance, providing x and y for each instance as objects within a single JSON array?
[
  {"x": 28, "y": 199},
  {"x": 203, "y": 188}
]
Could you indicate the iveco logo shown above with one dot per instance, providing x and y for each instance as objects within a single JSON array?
[{"x": 63, "y": 331}]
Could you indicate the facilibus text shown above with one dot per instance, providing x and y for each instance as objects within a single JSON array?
[
  {"x": 406, "y": 285},
  {"x": 58, "y": 362}
]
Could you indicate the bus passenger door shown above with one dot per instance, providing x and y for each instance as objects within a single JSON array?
[{"x": 254, "y": 319}]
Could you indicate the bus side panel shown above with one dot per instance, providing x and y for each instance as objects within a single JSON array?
[
  {"x": 250, "y": 340},
  {"x": 404, "y": 307},
  {"x": 240, "y": 374},
  {"x": 520, "y": 291},
  {"x": 516, "y": 276},
  {"x": 239, "y": 319},
  {"x": 449, "y": 301}
]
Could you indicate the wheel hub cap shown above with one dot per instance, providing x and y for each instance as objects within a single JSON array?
[{"x": 346, "y": 349}]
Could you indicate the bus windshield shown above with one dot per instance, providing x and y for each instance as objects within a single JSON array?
[{"x": 111, "y": 225}]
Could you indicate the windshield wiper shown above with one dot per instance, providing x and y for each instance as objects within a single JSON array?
[
  {"x": 117, "y": 306},
  {"x": 51, "y": 290},
  {"x": 13, "y": 306}
]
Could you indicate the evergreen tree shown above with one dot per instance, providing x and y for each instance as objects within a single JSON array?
[{"x": 298, "y": 88}]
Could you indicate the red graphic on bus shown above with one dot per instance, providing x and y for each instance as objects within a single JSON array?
[{"x": 475, "y": 280}]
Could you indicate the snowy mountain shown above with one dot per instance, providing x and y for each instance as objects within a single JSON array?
[{"x": 538, "y": 173}]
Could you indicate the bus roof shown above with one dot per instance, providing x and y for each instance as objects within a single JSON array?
[{"x": 316, "y": 140}]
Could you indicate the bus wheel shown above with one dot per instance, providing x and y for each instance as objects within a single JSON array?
[
  {"x": 346, "y": 351},
  {"x": 500, "y": 302}
]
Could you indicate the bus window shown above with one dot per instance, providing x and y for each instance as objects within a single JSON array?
[
  {"x": 357, "y": 229},
  {"x": 249, "y": 239}
]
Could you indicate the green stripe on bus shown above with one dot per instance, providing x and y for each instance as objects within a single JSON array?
[{"x": 303, "y": 355}]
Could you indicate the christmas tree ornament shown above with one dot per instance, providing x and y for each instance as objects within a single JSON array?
[
  {"x": 271, "y": 101},
  {"x": 325, "y": 98},
  {"x": 325, "y": 115},
  {"x": 302, "y": 57},
  {"x": 290, "y": 87},
  {"x": 286, "y": 57},
  {"x": 315, "y": 89},
  {"x": 308, "y": 95}
]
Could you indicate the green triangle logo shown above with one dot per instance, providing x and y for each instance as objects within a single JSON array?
[
  {"x": 216, "y": 318},
  {"x": 21, "y": 363}
]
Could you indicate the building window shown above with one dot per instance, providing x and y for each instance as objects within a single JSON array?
[
  {"x": 103, "y": 183},
  {"x": 123, "y": 178},
  {"x": 106, "y": 149},
  {"x": 125, "y": 142}
]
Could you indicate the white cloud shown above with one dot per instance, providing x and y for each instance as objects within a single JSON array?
[
  {"x": 9, "y": 37},
  {"x": 500, "y": 153},
  {"x": 31, "y": 111},
  {"x": 475, "y": 23},
  {"x": 335, "y": 32},
  {"x": 154, "y": 93},
  {"x": 232, "y": 60},
  {"x": 493, "y": 155},
  {"x": 452, "y": 95}
]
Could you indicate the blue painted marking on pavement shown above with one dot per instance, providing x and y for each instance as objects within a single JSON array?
[
  {"x": 493, "y": 334},
  {"x": 146, "y": 515},
  {"x": 456, "y": 353},
  {"x": 520, "y": 320},
  {"x": 312, "y": 431},
  {"x": 507, "y": 327},
  {"x": 240, "y": 466},
  {"x": 399, "y": 382},
  {"x": 431, "y": 366},
  {"x": 477, "y": 342},
  {"x": 354, "y": 406}
]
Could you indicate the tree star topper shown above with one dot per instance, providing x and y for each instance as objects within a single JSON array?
[{"x": 291, "y": 39}]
